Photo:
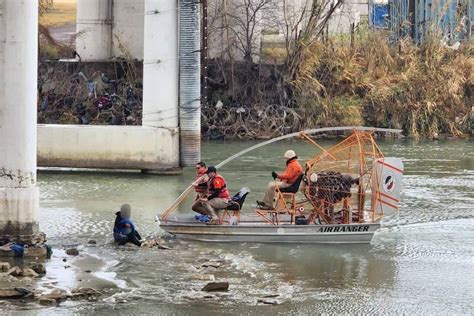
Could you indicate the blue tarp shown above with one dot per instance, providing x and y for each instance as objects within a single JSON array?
[
  {"x": 449, "y": 19},
  {"x": 380, "y": 17}
]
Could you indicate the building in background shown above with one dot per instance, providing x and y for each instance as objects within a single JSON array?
[{"x": 450, "y": 20}]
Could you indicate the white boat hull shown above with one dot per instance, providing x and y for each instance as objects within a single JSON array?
[{"x": 262, "y": 232}]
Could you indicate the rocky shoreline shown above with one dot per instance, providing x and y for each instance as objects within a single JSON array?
[
  {"x": 23, "y": 281},
  {"x": 73, "y": 275}
]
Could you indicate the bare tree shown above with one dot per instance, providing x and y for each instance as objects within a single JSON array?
[
  {"x": 304, "y": 25},
  {"x": 245, "y": 22},
  {"x": 234, "y": 30}
]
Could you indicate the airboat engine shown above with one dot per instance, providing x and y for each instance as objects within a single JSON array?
[{"x": 331, "y": 186}]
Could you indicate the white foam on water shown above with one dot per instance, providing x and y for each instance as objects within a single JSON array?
[{"x": 111, "y": 277}]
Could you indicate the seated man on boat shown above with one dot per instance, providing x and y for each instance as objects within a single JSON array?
[
  {"x": 124, "y": 229},
  {"x": 218, "y": 197},
  {"x": 288, "y": 177}
]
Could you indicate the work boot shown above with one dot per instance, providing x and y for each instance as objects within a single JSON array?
[
  {"x": 213, "y": 221},
  {"x": 264, "y": 206}
]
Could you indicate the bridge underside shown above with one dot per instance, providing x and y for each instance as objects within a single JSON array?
[{"x": 108, "y": 147}]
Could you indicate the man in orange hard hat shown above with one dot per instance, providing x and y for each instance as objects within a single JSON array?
[{"x": 288, "y": 177}]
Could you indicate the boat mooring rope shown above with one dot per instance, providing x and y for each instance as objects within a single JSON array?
[{"x": 190, "y": 188}]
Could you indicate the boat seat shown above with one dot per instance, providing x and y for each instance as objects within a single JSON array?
[
  {"x": 286, "y": 198},
  {"x": 235, "y": 205},
  {"x": 294, "y": 187},
  {"x": 285, "y": 203}
]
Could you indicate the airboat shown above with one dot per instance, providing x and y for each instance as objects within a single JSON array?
[{"x": 340, "y": 198}]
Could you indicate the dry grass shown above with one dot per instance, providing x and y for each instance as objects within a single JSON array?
[
  {"x": 63, "y": 12},
  {"x": 425, "y": 90}
]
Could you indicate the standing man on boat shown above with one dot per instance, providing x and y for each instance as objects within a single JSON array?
[
  {"x": 201, "y": 179},
  {"x": 218, "y": 197},
  {"x": 292, "y": 172}
]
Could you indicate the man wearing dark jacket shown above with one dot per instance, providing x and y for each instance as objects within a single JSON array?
[{"x": 124, "y": 229}]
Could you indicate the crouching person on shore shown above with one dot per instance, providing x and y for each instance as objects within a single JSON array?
[{"x": 124, "y": 229}]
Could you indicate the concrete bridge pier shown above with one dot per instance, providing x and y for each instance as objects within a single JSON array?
[
  {"x": 160, "y": 69},
  {"x": 94, "y": 29},
  {"x": 19, "y": 196}
]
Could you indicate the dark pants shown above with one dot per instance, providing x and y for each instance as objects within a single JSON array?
[{"x": 134, "y": 237}]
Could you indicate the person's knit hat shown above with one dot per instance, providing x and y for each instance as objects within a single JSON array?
[{"x": 125, "y": 211}]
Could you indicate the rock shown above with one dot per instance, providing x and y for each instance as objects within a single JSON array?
[
  {"x": 268, "y": 302},
  {"x": 203, "y": 277},
  {"x": 84, "y": 292},
  {"x": 38, "y": 239},
  {"x": 47, "y": 301},
  {"x": 56, "y": 294},
  {"x": 271, "y": 295},
  {"x": 38, "y": 267},
  {"x": 14, "y": 293},
  {"x": 15, "y": 271},
  {"x": 216, "y": 286},
  {"x": 35, "y": 252},
  {"x": 162, "y": 246},
  {"x": 213, "y": 264},
  {"x": 208, "y": 270},
  {"x": 7, "y": 278},
  {"x": 147, "y": 244},
  {"x": 57, "y": 291},
  {"x": 92, "y": 242},
  {"x": 38, "y": 292},
  {"x": 72, "y": 252},
  {"x": 28, "y": 272},
  {"x": 4, "y": 266},
  {"x": 26, "y": 292}
]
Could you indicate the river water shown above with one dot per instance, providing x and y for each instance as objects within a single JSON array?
[{"x": 420, "y": 262}]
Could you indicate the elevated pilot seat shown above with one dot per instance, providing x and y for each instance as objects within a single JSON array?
[{"x": 285, "y": 203}]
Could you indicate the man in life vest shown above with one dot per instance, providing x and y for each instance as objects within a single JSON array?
[
  {"x": 124, "y": 229},
  {"x": 292, "y": 172},
  {"x": 200, "y": 183},
  {"x": 217, "y": 199}
]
